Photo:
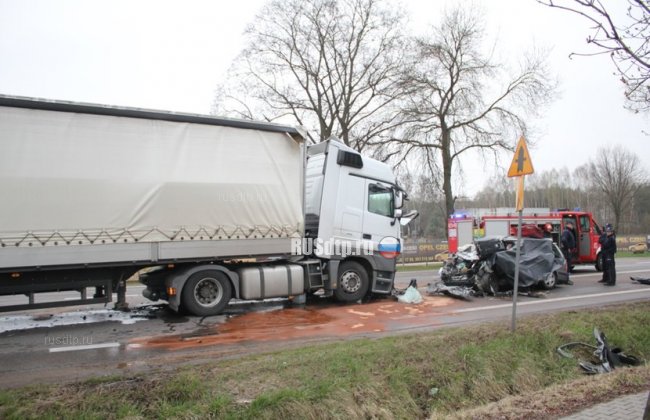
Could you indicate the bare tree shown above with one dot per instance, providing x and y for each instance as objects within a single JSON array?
[
  {"x": 462, "y": 100},
  {"x": 332, "y": 66},
  {"x": 621, "y": 31},
  {"x": 617, "y": 175}
]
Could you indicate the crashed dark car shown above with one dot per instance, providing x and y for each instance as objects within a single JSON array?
[{"x": 488, "y": 265}]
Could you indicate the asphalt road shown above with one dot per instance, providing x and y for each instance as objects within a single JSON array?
[{"x": 65, "y": 344}]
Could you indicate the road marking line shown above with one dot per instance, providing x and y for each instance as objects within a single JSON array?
[
  {"x": 88, "y": 347},
  {"x": 537, "y": 302}
]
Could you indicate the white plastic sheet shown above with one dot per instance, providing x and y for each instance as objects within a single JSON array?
[{"x": 411, "y": 295}]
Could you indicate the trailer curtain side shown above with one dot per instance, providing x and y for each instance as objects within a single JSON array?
[{"x": 75, "y": 179}]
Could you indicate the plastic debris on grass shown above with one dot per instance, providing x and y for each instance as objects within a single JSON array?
[{"x": 606, "y": 357}]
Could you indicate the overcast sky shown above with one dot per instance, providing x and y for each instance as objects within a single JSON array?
[{"x": 171, "y": 56}]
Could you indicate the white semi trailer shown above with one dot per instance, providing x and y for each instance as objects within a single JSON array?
[{"x": 211, "y": 208}]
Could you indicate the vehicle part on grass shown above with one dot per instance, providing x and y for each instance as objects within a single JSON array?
[
  {"x": 459, "y": 292},
  {"x": 608, "y": 358},
  {"x": 642, "y": 280}
]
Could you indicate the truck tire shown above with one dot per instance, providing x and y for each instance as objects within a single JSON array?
[
  {"x": 353, "y": 282},
  {"x": 206, "y": 293},
  {"x": 599, "y": 262}
]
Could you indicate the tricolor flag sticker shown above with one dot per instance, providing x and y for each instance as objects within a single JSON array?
[{"x": 389, "y": 247}]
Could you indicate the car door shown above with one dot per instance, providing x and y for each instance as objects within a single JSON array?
[{"x": 584, "y": 242}]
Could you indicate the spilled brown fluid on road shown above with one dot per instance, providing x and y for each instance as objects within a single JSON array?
[{"x": 310, "y": 322}]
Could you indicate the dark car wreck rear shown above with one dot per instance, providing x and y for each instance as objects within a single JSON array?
[{"x": 488, "y": 266}]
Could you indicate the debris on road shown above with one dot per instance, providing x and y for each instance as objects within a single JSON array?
[
  {"x": 608, "y": 358},
  {"x": 642, "y": 280},
  {"x": 459, "y": 292},
  {"x": 25, "y": 322},
  {"x": 410, "y": 295}
]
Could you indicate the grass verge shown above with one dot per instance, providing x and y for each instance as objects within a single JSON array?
[
  {"x": 629, "y": 254},
  {"x": 439, "y": 374}
]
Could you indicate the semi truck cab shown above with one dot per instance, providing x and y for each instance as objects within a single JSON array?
[{"x": 356, "y": 200}]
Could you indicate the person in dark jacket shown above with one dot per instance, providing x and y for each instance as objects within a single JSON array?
[
  {"x": 568, "y": 244},
  {"x": 607, "y": 243}
]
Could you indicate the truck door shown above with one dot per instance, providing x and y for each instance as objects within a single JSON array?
[
  {"x": 350, "y": 208},
  {"x": 378, "y": 219},
  {"x": 584, "y": 243}
]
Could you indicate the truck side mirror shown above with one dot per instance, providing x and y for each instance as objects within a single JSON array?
[
  {"x": 399, "y": 199},
  {"x": 397, "y": 214}
]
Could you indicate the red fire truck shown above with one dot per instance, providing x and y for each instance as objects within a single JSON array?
[{"x": 463, "y": 227}]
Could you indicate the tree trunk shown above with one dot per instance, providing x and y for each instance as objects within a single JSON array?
[{"x": 447, "y": 169}]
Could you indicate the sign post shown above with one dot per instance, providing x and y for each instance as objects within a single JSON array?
[{"x": 521, "y": 166}]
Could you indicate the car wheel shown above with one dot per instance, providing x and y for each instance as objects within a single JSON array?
[
  {"x": 550, "y": 281},
  {"x": 353, "y": 282}
]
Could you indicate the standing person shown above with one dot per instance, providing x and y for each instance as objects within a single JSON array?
[
  {"x": 568, "y": 243},
  {"x": 608, "y": 249}
]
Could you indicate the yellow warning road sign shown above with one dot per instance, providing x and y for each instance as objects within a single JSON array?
[{"x": 521, "y": 163}]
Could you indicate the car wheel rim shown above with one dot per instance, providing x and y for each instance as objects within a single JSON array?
[
  {"x": 350, "y": 282},
  {"x": 550, "y": 280},
  {"x": 208, "y": 292}
]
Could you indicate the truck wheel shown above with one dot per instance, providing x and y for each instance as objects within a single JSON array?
[
  {"x": 550, "y": 281},
  {"x": 206, "y": 293},
  {"x": 353, "y": 282},
  {"x": 599, "y": 262}
]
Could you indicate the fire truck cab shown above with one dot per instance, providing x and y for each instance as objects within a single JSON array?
[{"x": 463, "y": 229}]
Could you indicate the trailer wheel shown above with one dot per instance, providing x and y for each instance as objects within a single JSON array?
[
  {"x": 206, "y": 293},
  {"x": 353, "y": 282}
]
